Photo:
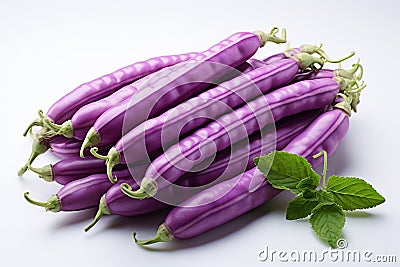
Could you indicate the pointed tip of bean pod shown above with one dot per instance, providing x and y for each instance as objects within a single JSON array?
[
  {"x": 164, "y": 234},
  {"x": 102, "y": 210},
  {"x": 92, "y": 138}
]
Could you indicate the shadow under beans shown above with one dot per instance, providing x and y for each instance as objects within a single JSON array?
[
  {"x": 75, "y": 217},
  {"x": 138, "y": 223}
]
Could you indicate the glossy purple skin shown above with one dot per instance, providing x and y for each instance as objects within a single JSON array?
[
  {"x": 224, "y": 202},
  {"x": 245, "y": 67},
  {"x": 69, "y": 148},
  {"x": 238, "y": 158},
  {"x": 311, "y": 75},
  {"x": 175, "y": 85},
  {"x": 65, "y": 107},
  {"x": 120, "y": 204},
  {"x": 87, "y": 115},
  {"x": 86, "y": 192},
  {"x": 195, "y": 112},
  {"x": 237, "y": 125},
  {"x": 286, "y": 129},
  {"x": 68, "y": 170},
  {"x": 232, "y": 198},
  {"x": 280, "y": 56},
  {"x": 331, "y": 127}
]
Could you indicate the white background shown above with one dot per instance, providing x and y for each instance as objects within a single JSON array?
[{"x": 49, "y": 47}]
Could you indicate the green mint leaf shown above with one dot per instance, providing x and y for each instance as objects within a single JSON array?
[
  {"x": 308, "y": 183},
  {"x": 353, "y": 193},
  {"x": 310, "y": 194},
  {"x": 285, "y": 170},
  {"x": 327, "y": 220},
  {"x": 325, "y": 197},
  {"x": 300, "y": 207}
]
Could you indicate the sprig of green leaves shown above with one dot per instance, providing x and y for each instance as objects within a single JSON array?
[{"x": 325, "y": 206}]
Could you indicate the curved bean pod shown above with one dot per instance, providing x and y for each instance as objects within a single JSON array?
[
  {"x": 175, "y": 85},
  {"x": 66, "y": 106},
  {"x": 305, "y": 48},
  {"x": 233, "y": 127},
  {"x": 80, "y": 194},
  {"x": 70, "y": 169},
  {"x": 70, "y": 148},
  {"x": 197, "y": 111},
  {"x": 232, "y": 161},
  {"x": 86, "y": 116},
  {"x": 327, "y": 73},
  {"x": 226, "y": 165},
  {"x": 232, "y": 198}
]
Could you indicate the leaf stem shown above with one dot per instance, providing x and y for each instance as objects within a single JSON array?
[{"x": 325, "y": 154}]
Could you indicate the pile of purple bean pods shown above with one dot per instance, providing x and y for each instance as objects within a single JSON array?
[{"x": 181, "y": 131}]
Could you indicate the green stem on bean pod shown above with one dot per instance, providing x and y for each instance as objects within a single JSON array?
[
  {"x": 39, "y": 146},
  {"x": 148, "y": 188},
  {"x": 271, "y": 36},
  {"x": 111, "y": 159},
  {"x": 65, "y": 129},
  {"x": 36, "y": 122},
  {"x": 103, "y": 210},
  {"x": 91, "y": 138},
  {"x": 164, "y": 234},
  {"x": 45, "y": 172},
  {"x": 52, "y": 204}
]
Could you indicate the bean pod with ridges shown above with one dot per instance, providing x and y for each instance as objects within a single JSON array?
[
  {"x": 70, "y": 148},
  {"x": 238, "y": 158},
  {"x": 197, "y": 111},
  {"x": 68, "y": 170},
  {"x": 233, "y": 127},
  {"x": 232, "y": 198},
  {"x": 305, "y": 48},
  {"x": 80, "y": 194},
  {"x": 84, "y": 118},
  {"x": 176, "y": 84},
  {"x": 64, "y": 109},
  {"x": 226, "y": 165}
]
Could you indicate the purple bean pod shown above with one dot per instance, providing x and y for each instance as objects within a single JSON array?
[
  {"x": 65, "y": 107},
  {"x": 327, "y": 73},
  {"x": 70, "y": 169},
  {"x": 70, "y": 148},
  {"x": 80, "y": 123},
  {"x": 231, "y": 128},
  {"x": 188, "y": 116},
  {"x": 116, "y": 202},
  {"x": 280, "y": 56},
  {"x": 238, "y": 158},
  {"x": 305, "y": 48},
  {"x": 232, "y": 198},
  {"x": 175, "y": 85},
  {"x": 80, "y": 194}
]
